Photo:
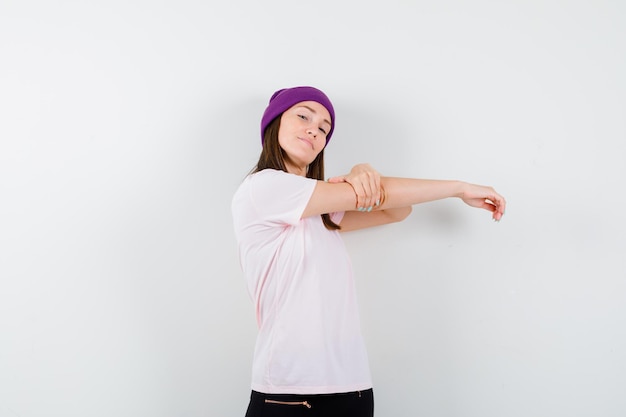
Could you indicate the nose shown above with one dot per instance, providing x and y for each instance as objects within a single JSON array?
[{"x": 311, "y": 131}]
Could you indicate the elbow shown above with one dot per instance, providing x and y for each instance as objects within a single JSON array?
[
  {"x": 406, "y": 212},
  {"x": 399, "y": 214}
]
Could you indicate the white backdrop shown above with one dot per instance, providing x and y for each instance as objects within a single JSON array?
[{"x": 125, "y": 127}]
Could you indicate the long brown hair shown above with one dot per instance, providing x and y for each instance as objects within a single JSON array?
[{"x": 273, "y": 157}]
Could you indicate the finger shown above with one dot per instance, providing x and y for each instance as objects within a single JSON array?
[
  {"x": 360, "y": 191},
  {"x": 360, "y": 195},
  {"x": 489, "y": 206},
  {"x": 374, "y": 182},
  {"x": 336, "y": 180},
  {"x": 368, "y": 198},
  {"x": 378, "y": 189},
  {"x": 502, "y": 207},
  {"x": 495, "y": 210},
  {"x": 500, "y": 204}
]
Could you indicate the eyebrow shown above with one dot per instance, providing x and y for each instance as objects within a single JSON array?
[{"x": 313, "y": 111}]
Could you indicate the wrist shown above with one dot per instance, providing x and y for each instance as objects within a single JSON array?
[{"x": 460, "y": 188}]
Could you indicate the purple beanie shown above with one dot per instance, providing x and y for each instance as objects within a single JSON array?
[{"x": 284, "y": 99}]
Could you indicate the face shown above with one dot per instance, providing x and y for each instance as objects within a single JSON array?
[{"x": 302, "y": 133}]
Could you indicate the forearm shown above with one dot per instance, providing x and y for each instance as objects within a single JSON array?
[{"x": 403, "y": 192}]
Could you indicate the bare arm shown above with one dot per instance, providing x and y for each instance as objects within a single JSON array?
[
  {"x": 358, "y": 190},
  {"x": 401, "y": 192},
  {"x": 397, "y": 195},
  {"x": 355, "y": 220},
  {"x": 329, "y": 198}
]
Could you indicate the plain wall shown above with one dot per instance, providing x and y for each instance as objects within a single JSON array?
[{"x": 126, "y": 126}]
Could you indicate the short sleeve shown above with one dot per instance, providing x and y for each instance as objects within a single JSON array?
[{"x": 279, "y": 196}]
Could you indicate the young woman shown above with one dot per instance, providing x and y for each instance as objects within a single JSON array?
[{"x": 310, "y": 357}]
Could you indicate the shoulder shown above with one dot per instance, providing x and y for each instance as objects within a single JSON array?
[
  {"x": 276, "y": 178},
  {"x": 276, "y": 173},
  {"x": 273, "y": 196},
  {"x": 271, "y": 187},
  {"x": 256, "y": 178}
]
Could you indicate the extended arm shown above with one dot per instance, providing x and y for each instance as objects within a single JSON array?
[{"x": 397, "y": 195}]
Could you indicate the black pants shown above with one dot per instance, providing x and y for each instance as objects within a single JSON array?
[{"x": 349, "y": 404}]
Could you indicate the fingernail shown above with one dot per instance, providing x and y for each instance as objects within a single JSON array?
[
  {"x": 378, "y": 202},
  {"x": 360, "y": 209},
  {"x": 369, "y": 209}
]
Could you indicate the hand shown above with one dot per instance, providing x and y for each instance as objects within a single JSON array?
[
  {"x": 365, "y": 181},
  {"x": 484, "y": 197}
]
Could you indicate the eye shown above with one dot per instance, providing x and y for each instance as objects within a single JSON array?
[
  {"x": 303, "y": 117},
  {"x": 323, "y": 131}
]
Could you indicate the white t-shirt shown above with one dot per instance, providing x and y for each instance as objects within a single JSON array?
[{"x": 300, "y": 278}]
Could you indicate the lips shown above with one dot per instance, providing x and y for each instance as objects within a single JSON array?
[{"x": 307, "y": 141}]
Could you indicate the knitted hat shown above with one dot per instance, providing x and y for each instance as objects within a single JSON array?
[{"x": 284, "y": 99}]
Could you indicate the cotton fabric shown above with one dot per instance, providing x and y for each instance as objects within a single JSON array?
[{"x": 300, "y": 279}]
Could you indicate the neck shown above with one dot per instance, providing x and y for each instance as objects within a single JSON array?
[{"x": 295, "y": 169}]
